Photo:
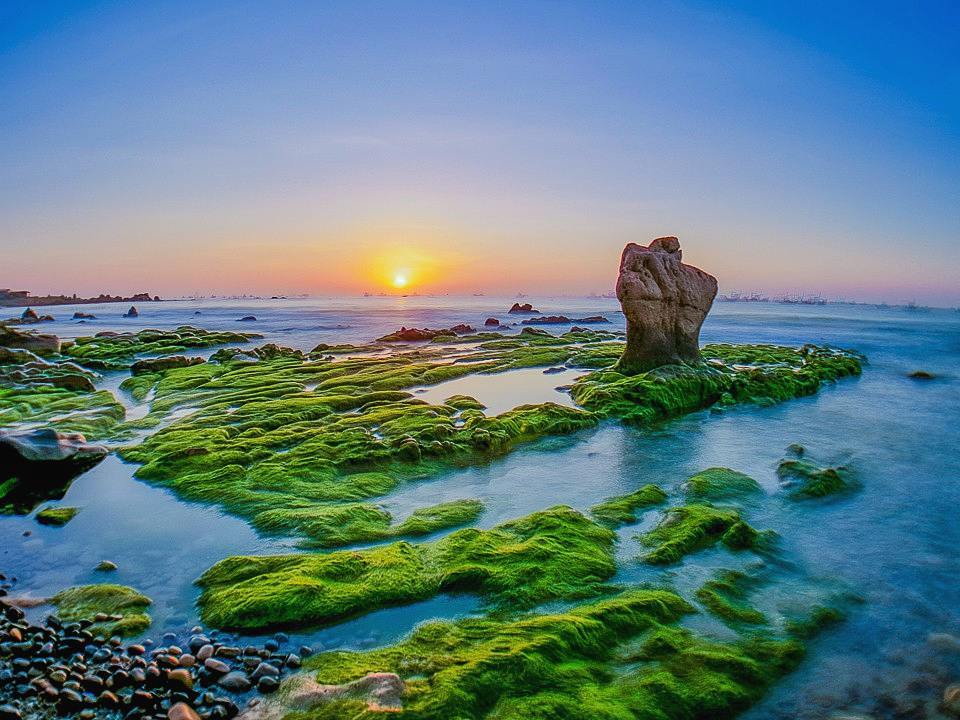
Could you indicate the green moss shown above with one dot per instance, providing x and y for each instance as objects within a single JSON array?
[
  {"x": 468, "y": 668},
  {"x": 56, "y": 515},
  {"x": 718, "y": 483},
  {"x": 620, "y": 658},
  {"x": 556, "y": 553},
  {"x": 819, "y": 619},
  {"x": 112, "y": 351},
  {"x": 808, "y": 480},
  {"x": 124, "y": 606},
  {"x": 725, "y": 595},
  {"x": 730, "y": 373},
  {"x": 94, "y": 414},
  {"x": 689, "y": 528},
  {"x": 621, "y": 510}
]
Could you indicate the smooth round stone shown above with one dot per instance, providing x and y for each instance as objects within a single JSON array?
[
  {"x": 306, "y": 651},
  {"x": 182, "y": 711},
  {"x": 187, "y": 660},
  {"x": 235, "y": 681},
  {"x": 271, "y": 645},
  {"x": 216, "y": 666},
  {"x": 293, "y": 661},
  {"x": 108, "y": 700},
  {"x": 264, "y": 669},
  {"x": 227, "y": 651},
  {"x": 267, "y": 684},
  {"x": 180, "y": 677},
  {"x": 9, "y": 712},
  {"x": 205, "y": 652}
]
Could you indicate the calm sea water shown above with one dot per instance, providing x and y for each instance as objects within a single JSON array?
[{"x": 895, "y": 543}]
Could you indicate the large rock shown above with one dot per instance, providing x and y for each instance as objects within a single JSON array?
[
  {"x": 41, "y": 464},
  {"x": 35, "y": 342},
  {"x": 665, "y": 303},
  {"x": 152, "y": 365}
]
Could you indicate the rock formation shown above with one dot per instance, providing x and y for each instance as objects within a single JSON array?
[
  {"x": 524, "y": 309},
  {"x": 665, "y": 303},
  {"x": 41, "y": 465},
  {"x": 132, "y": 312},
  {"x": 35, "y": 342}
]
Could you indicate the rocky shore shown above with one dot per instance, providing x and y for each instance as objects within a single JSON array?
[{"x": 68, "y": 669}]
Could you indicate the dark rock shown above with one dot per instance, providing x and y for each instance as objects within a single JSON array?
[
  {"x": 267, "y": 684},
  {"x": 491, "y": 322},
  {"x": 83, "y": 316},
  {"x": 405, "y": 334},
  {"x": 665, "y": 303},
  {"x": 42, "y": 463},
  {"x": 216, "y": 666},
  {"x": 564, "y": 320},
  {"x": 35, "y": 342},
  {"x": 235, "y": 681},
  {"x": 9, "y": 712},
  {"x": 524, "y": 309},
  {"x": 152, "y": 365},
  {"x": 921, "y": 375},
  {"x": 247, "y": 318},
  {"x": 182, "y": 711},
  {"x": 463, "y": 329},
  {"x": 132, "y": 312}
]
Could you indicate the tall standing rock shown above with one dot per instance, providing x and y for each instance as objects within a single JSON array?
[{"x": 665, "y": 303}]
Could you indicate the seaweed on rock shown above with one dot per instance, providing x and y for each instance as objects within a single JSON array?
[
  {"x": 113, "y": 609},
  {"x": 552, "y": 554},
  {"x": 688, "y": 528},
  {"x": 622, "y": 510},
  {"x": 719, "y": 483}
]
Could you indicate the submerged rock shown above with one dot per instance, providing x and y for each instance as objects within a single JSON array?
[
  {"x": 665, "y": 303},
  {"x": 84, "y": 316},
  {"x": 248, "y": 318},
  {"x": 41, "y": 464},
  {"x": 405, "y": 334},
  {"x": 564, "y": 320}
]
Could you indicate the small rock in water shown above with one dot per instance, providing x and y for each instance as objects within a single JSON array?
[
  {"x": 247, "y": 318},
  {"x": 106, "y": 566},
  {"x": 132, "y": 312},
  {"x": 921, "y": 375}
]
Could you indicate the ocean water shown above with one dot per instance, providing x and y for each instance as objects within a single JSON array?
[{"x": 895, "y": 543}]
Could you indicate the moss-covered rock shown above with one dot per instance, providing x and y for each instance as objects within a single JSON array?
[
  {"x": 56, "y": 515},
  {"x": 718, "y": 483},
  {"x": 121, "y": 610},
  {"x": 689, "y": 528},
  {"x": 622, "y": 510},
  {"x": 725, "y": 597},
  {"x": 556, "y": 553},
  {"x": 806, "y": 480}
]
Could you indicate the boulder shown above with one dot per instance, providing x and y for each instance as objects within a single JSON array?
[
  {"x": 665, "y": 303},
  {"x": 151, "y": 365},
  {"x": 132, "y": 312},
  {"x": 491, "y": 322},
  {"x": 406, "y": 334},
  {"x": 83, "y": 316},
  {"x": 524, "y": 309},
  {"x": 463, "y": 329},
  {"x": 42, "y": 463},
  {"x": 248, "y": 318},
  {"x": 564, "y": 320},
  {"x": 35, "y": 342},
  {"x": 29, "y": 314}
]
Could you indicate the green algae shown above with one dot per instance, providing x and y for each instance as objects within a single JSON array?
[
  {"x": 552, "y": 554},
  {"x": 719, "y": 483},
  {"x": 56, "y": 516},
  {"x": 810, "y": 481},
  {"x": 123, "y": 606},
  {"x": 116, "y": 351},
  {"x": 93, "y": 414},
  {"x": 724, "y": 596},
  {"x": 621, "y": 510},
  {"x": 761, "y": 374},
  {"x": 688, "y": 528},
  {"x": 333, "y": 525},
  {"x": 619, "y": 658}
]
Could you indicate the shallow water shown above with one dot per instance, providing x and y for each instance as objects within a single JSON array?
[{"x": 894, "y": 542}]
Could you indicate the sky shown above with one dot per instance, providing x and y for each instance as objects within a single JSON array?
[{"x": 334, "y": 148}]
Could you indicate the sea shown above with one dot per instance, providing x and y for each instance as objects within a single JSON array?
[{"x": 893, "y": 545}]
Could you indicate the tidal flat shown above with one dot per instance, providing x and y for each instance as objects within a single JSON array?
[{"x": 744, "y": 535}]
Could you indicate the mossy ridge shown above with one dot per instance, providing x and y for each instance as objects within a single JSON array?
[
  {"x": 552, "y": 554},
  {"x": 463, "y": 669},
  {"x": 621, "y": 510},
  {"x": 93, "y": 414},
  {"x": 720, "y": 483},
  {"x": 688, "y": 528},
  {"x": 725, "y": 595},
  {"x": 620, "y": 658},
  {"x": 116, "y": 351},
  {"x": 56, "y": 516},
  {"x": 337, "y": 525},
  {"x": 124, "y": 606},
  {"x": 674, "y": 390},
  {"x": 810, "y": 481}
]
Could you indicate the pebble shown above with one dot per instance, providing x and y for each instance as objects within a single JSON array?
[
  {"x": 182, "y": 711},
  {"x": 216, "y": 666},
  {"x": 236, "y": 681}
]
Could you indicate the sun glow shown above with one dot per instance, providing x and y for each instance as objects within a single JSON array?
[{"x": 400, "y": 280}]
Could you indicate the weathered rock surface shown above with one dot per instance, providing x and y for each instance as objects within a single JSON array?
[
  {"x": 41, "y": 464},
  {"x": 35, "y": 342},
  {"x": 132, "y": 312},
  {"x": 150, "y": 365},
  {"x": 564, "y": 320},
  {"x": 382, "y": 691},
  {"x": 665, "y": 303}
]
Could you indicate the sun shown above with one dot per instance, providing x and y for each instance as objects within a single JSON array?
[{"x": 400, "y": 280}]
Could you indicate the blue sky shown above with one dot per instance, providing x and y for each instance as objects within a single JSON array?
[{"x": 303, "y": 147}]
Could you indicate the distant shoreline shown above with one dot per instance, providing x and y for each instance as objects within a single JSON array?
[{"x": 47, "y": 300}]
